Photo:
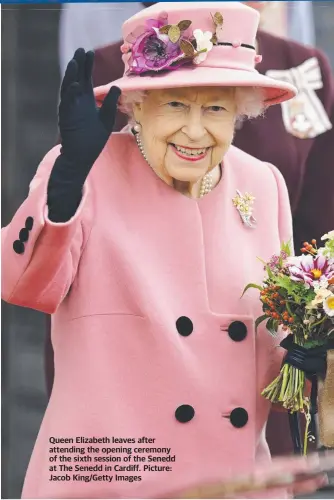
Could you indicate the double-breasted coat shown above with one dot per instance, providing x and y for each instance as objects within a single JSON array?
[
  {"x": 150, "y": 333},
  {"x": 283, "y": 137}
]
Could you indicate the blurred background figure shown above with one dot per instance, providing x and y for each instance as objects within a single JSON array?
[
  {"x": 33, "y": 58},
  {"x": 300, "y": 22},
  {"x": 91, "y": 25}
]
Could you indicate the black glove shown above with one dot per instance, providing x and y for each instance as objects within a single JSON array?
[
  {"x": 84, "y": 131},
  {"x": 312, "y": 361}
]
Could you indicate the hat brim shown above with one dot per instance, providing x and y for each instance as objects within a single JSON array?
[{"x": 275, "y": 91}]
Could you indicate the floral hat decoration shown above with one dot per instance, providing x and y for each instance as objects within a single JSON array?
[
  {"x": 160, "y": 46},
  {"x": 194, "y": 44}
]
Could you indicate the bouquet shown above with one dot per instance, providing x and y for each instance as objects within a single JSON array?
[{"x": 297, "y": 295}]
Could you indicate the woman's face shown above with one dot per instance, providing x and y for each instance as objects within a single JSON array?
[{"x": 186, "y": 132}]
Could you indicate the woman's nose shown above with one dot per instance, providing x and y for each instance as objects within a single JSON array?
[{"x": 194, "y": 127}]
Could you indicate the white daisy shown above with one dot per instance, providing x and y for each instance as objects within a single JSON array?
[
  {"x": 328, "y": 305},
  {"x": 321, "y": 285},
  {"x": 203, "y": 42},
  {"x": 328, "y": 236},
  {"x": 322, "y": 294}
]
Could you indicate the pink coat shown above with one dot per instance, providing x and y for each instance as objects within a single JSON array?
[{"x": 150, "y": 335}]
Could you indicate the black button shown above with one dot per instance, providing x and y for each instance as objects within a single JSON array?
[
  {"x": 237, "y": 331},
  {"x": 184, "y": 413},
  {"x": 18, "y": 246},
  {"x": 184, "y": 326},
  {"x": 24, "y": 235},
  {"x": 29, "y": 223},
  {"x": 239, "y": 417}
]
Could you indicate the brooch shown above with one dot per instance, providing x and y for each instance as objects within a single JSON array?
[{"x": 243, "y": 203}]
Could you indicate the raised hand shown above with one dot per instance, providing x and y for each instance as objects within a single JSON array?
[{"x": 84, "y": 129}]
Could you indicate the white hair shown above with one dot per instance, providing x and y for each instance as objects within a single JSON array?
[{"x": 249, "y": 100}]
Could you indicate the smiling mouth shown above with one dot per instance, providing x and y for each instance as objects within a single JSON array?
[{"x": 190, "y": 153}]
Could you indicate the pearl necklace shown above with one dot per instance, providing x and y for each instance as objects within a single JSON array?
[{"x": 207, "y": 181}]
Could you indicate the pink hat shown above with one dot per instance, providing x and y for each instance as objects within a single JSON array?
[{"x": 186, "y": 44}]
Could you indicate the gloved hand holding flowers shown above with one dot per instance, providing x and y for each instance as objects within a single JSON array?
[{"x": 298, "y": 296}]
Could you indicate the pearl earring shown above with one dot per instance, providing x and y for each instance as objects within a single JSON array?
[{"x": 137, "y": 128}]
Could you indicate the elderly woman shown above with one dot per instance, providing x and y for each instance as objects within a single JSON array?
[
  {"x": 302, "y": 153},
  {"x": 140, "y": 245}
]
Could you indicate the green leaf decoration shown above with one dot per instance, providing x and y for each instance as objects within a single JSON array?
[
  {"x": 187, "y": 48},
  {"x": 259, "y": 320},
  {"x": 201, "y": 51},
  {"x": 174, "y": 33},
  {"x": 164, "y": 29},
  {"x": 184, "y": 25},
  {"x": 218, "y": 19},
  {"x": 214, "y": 39},
  {"x": 251, "y": 285}
]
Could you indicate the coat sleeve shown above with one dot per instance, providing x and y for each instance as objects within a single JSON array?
[
  {"x": 284, "y": 209},
  {"x": 286, "y": 235},
  {"x": 315, "y": 212},
  {"x": 39, "y": 257}
]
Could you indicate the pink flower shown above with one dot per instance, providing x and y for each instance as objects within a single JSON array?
[
  {"x": 310, "y": 269},
  {"x": 152, "y": 51}
]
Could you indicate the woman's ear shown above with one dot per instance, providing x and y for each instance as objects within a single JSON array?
[{"x": 137, "y": 111}]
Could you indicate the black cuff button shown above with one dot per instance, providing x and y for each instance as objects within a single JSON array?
[
  {"x": 29, "y": 223},
  {"x": 18, "y": 246},
  {"x": 24, "y": 235}
]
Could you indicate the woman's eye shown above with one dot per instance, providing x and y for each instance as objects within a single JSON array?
[
  {"x": 176, "y": 104},
  {"x": 216, "y": 109}
]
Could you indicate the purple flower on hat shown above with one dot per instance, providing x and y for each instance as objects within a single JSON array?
[{"x": 153, "y": 51}]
